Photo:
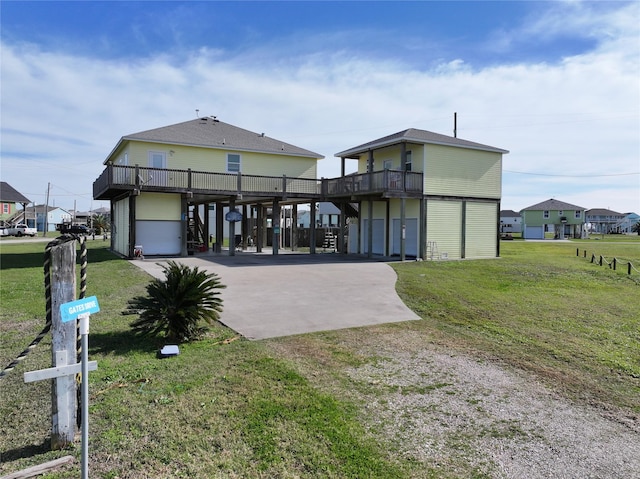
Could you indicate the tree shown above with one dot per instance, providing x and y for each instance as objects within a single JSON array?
[
  {"x": 175, "y": 307},
  {"x": 636, "y": 228},
  {"x": 99, "y": 223}
]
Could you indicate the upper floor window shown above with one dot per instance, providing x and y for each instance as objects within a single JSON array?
[
  {"x": 578, "y": 214},
  {"x": 6, "y": 208},
  {"x": 157, "y": 159},
  {"x": 387, "y": 164},
  {"x": 545, "y": 214},
  {"x": 233, "y": 162},
  {"x": 560, "y": 212},
  {"x": 409, "y": 162}
]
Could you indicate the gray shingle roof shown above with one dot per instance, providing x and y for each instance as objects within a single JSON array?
[
  {"x": 208, "y": 132},
  {"x": 413, "y": 135},
  {"x": 602, "y": 212},
  {"x": 10, "y": 195},
  {"x": 509, "y": 213},
  {"x": 553, "y": 205}
]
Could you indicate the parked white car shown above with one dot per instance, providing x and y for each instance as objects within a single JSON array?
[{"x": 21, "y": 230}]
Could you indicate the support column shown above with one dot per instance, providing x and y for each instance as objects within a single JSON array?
[
  {"x": 219, "y": 226},
  {"x": 184, "y": 225},
  {"x": 370, "y": 231},
  {"x": 260, "y": 227},
  {"x": 341, "y": 225},
  {"x": 294, "y": 227},
  {"x": 206, "y": 225},
  {"x": 275, "y": 226},
  {"x": 403, "y": 228},
  {"x": 232, "y": 229},
  {"x": 245, "y": 227},
  {"x": 312, "y": 228},
  {"x": 423, "y": 229}
]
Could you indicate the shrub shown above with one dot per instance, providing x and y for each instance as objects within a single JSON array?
[{"x": 175, "y": 307}]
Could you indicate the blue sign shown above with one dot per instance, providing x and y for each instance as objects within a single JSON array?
[
  {"x": 233, "y": 216},
  {"x": 71, "y": 311}
]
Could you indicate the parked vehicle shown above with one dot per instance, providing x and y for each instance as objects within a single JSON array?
[
  {"x": 21, "y": 230},
  {"x": 75, "y": 229}
]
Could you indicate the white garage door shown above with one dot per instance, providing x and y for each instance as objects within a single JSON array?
[{"x": 159, "y": 237}]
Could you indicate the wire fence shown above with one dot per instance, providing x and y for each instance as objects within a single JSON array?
[{"x": 613, "y": 264}]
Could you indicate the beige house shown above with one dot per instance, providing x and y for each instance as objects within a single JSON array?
[{"x": 415, "y": 194}]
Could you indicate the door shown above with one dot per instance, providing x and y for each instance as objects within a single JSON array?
[{"x": 157, "y": 161}]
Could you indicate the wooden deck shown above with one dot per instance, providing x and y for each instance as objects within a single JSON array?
[{"x": 116, "y": 181}]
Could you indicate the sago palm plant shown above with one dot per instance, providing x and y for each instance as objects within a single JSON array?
[{"x": 175, "y": 308}]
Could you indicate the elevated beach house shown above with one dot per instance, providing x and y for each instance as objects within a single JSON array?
[
  {"x": 415, "y": 194},
  {"x": 559, "y": 219}
]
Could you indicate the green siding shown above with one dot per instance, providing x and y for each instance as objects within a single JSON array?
[
  {"x": 536, "y": 217},
  {"x": 158, "y": 206},
  {"x": 462, "y": 172},
  {"x": 215, "y": 160}
]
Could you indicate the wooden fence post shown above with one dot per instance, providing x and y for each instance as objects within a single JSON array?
[{"x": 63, "y": 347}]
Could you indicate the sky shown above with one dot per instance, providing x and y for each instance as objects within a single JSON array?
[{"x": 555, "y": 83}]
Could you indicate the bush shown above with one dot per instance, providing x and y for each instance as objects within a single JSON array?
[{"x": 175, "y": 307}]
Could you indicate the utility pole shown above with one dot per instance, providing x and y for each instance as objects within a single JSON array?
[{"x": 46, "y": 212}]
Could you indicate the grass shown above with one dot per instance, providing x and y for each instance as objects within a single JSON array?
[{"x": 284, "y": 407}]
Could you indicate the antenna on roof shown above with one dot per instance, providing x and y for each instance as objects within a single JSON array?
[
  {"x": 455, "y": 124},
  {"x": 197, "y": 113}
]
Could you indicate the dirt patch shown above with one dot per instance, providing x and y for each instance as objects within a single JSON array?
[{"x": 448, "y": 409}]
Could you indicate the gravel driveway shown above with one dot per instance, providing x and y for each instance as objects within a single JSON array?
[{"x": 501, "y": 422}]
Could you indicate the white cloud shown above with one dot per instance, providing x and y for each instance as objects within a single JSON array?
[{"x": 62, "y": 114}]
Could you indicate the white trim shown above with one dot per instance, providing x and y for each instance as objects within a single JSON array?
[{"x": 239, "y": 163}]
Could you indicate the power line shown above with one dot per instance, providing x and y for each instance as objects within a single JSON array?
[{"x": 570, "y": 176}]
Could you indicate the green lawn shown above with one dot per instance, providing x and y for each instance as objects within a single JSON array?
[{"x": 283, "y": 407}]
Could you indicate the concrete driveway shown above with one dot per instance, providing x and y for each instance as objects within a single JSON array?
[{"x": 270, "y": 296}]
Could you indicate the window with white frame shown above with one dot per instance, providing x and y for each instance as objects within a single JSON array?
[
  {"x": 578, "y": 215},
  {"x": 545, "y": 214},
  {"x": 6, "y": 208},
  {"x": 560, "y": 212},
  {"x": 233, "y": 162},
  {"x": 409, "y": 162}
]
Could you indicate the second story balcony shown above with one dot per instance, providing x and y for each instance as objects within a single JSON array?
[{"x": 118, "y": 180}]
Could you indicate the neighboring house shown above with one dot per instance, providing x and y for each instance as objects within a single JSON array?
[
  {"x": 416, "y": 193},
  {"x": 557, "y": 217},
  {"x": 626, "y": 223},
  {"x": 510, "y": 222},
  {"x": 601, "y": 220},
  {"x": 41, "y": 215},
  {"x": 9, "y": 199},
  {"x": 428, "y": 195}
]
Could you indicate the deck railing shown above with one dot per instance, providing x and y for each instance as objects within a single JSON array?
[
  {"x": 387, "y": 181},
  {"x": 116, "y": 177}
]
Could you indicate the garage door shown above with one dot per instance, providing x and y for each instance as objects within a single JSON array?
[
  {"x": 534, "y": 232},
  {"x": 411, "y": 237},
  {"x": 481, "y": 230},
  {"x": 159, "y": 237},
  {"x": 378, "y": 236},
  {"x": 444, "y": 228}
]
